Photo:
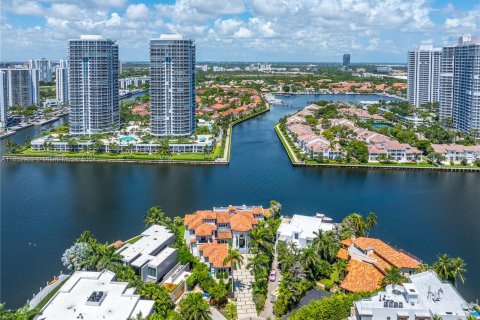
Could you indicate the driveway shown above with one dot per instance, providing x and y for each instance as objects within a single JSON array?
[{"x": 272, "y": 285}]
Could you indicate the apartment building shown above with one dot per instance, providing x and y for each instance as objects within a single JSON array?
[
  {"x": 61, "y": 82},
  {"x": 423, "y": 75}
]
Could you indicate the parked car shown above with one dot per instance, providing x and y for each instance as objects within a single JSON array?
[{"x": 273, "y": 275}]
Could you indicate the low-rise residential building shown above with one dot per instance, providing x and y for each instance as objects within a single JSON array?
[
  {"x": 150, "y": 256},
  {"x": 456, "y": 152},
  {"x": 368, "y": 261},
  {"x": 95, "y": 295},
  {"x": 301, "y": 229},
  {"x": 421, "y": 298},
  {"x": 311, "y": 141},
  {"x": 223, "y": 225}
]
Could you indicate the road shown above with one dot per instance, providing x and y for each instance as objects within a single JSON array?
[{"x": 267, "y": 311}]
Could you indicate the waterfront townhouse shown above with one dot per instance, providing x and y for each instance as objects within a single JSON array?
[
  {"x": 208, "y": 233},
  {"x": 150, "y": 256},
  {"x": 361, "y": 114},
  {"x": 421, "y": 298},
  {"x": 95, "y": 295},
  {"x": 301, "y": 229},
  {"x": 456, "y": 153},
  {"x": 368, "y": 261}
]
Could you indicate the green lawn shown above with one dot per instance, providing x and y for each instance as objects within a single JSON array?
[
  {"x": 128, "y": 156},
  {"x": 134, "y": 239},
  {"x": 285, "y": 143},
  {"x": 50, "y": 295}
]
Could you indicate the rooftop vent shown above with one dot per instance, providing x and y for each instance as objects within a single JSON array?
[{"x": 96, "y": 298}]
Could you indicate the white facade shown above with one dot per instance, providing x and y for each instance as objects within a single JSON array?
[
  {"x": 95, "y": 295},
  {"x": 136, "y": 82},
  {"x": 172, "y": 86},
  {"x": 93, "y": 85},
  {"x": 424, "y": 296},
  {"x": 150, "y": 256},
  {"x": 3, "y": 99},
  {"x": 61, "y": 78},
  {"x": 301, "y": 229},
  {"x": 20, "y": 86},
  {"x": 423, "y": 75},
  {"x": 44, "y": 66}
]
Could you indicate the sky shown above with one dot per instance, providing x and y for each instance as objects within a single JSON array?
[{"x": 240, "y": 30}]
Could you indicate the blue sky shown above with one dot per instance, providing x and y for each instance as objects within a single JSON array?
[{"x": 240, "y": 30}]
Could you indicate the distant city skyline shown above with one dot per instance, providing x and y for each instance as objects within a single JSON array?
[{"x": 240, "y": 30}]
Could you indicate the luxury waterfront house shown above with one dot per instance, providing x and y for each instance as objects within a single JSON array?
[
  {"x": 93, "y": 85},
  {"x": 209, "y": 233},
  {"x": 368, "y": 259},
  {"x": 301, "y": 230},
  {"x": 150, "y": 255},
  {"x": 172, "y": 86},
  {"x": 95, "y": 295},
  {"x": 421, "y": 298}
]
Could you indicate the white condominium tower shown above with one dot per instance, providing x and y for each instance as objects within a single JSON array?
[
  {"x": 172, "y": 86},
  {"x": 93, "y": 84},
  {"x": 423, "y": 75},
  {"x": 3, "y": 99},
  {"x": 461, "y": 90},
  {"x": 45, "y": 67},
  {"x": 20, "y": 86},
  {"x": 61, "y": 78}
]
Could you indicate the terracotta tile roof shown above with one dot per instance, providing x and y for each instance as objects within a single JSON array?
[
  {"x": 205, "y": 230},
  {"x": 361, "y": 277},
  {"x": 266, "y": 212},
  {"x": 216, "y": 253},
  {"x": 223, "y": 217},
  {"x": 386, "y": 252},
  {"x": 243, "y": 221},
  {"x": 224, "y": 235},
  {"x": 342, "y": 254},
  {"x": 193, "y": 240}
]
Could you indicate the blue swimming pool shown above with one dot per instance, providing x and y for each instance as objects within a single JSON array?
[{"x": 126, "y": 139}]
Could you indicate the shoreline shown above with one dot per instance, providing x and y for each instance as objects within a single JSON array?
[
  {"x": 73, "y": 159},
  {"x": 372, "y": 166}
]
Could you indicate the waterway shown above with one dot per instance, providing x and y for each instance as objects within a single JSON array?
[{"x": 45, "y": 206}]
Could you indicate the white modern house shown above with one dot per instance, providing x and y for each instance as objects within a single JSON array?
[
  {"x": 95, "y": 295},
  {"x": 422, "y": 297},
  {"x": 150, "y": 256},
  {"x": 301, "y": 229}
]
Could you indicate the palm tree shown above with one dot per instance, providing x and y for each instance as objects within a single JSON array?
[
  {"x": 436, "y": 317},
  {"x": 442, "y": 267},
  {"x": 234, "y": 257},
  {"x": 458, "y": 268},
  {"x": 260, "y": 239},
  {"x": 371, "y": 221},
  {"x": 178, "y": 221},
  {"x": 393, "y": 276},
  {"x": 156, "y": 215},
  {"x": 194, "y": 307},
  {"x": 107, "y": 258},
  {"x": 325, "y": 245},
  {"x": 311, "y": 261}
]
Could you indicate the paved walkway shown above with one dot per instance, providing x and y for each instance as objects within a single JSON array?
[
  {"x": 45, "y": 291},
  {"x": 243, "y": 290},
  {"x": 287, "y": 145},
  {"x": 216, "y": 315},
  {"x": 267, "y": 311}
]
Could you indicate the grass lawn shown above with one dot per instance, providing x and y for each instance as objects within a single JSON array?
[
  {"x": 285, "y": 143},
  {"x": 50, "y": 295},
  {"x": 373, "y": 164},
  {"x": 134, "y": 239},
  {"x": 126, "y": 156}
]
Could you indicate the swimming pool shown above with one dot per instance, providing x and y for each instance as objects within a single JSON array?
[{"x": 126, "y": 139}]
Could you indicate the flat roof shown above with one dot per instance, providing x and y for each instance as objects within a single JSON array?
[
  {"x": 304, "y": 225},
  {"x": 118, "y": 303},
  {"x": 162, "y": 256},
  {"x": 152, "y": 238}
]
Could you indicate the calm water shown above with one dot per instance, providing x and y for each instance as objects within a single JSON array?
[{"x": 45, "y": 206}]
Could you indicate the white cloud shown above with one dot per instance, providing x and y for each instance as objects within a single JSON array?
[
  {"x": 27, "y": 8},
  {"x": 242, "y": 33}
]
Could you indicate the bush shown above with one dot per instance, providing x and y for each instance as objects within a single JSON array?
[
  {"x": 231, "y": 311},
  {"x": 259, "y": 301},
  {"x": 328, "y": 283},
  {"x": 336, "y": 307},
  {"x": 477, "y": 162},
  {"x": 192, "y": 281}
]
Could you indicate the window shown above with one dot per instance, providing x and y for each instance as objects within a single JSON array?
[
  {"x": 295, "y": 236},
  {"x": 152, "y": 272}
]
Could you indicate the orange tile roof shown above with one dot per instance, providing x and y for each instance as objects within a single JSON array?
[
  {"x": 224, "y": 235},
  {"x": 386, "y": 252},
  {"x": 361, "y": 277},
  {"x": 205, "y": 230},
  {"x": 342, "y": 254},
  {"x": 223, "y": 217},
  {"x": 266, "y": 212},
  {"x": 216, "y": 253}
]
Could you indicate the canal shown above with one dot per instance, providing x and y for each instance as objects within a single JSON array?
[{"x": 45, "y": 206}]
